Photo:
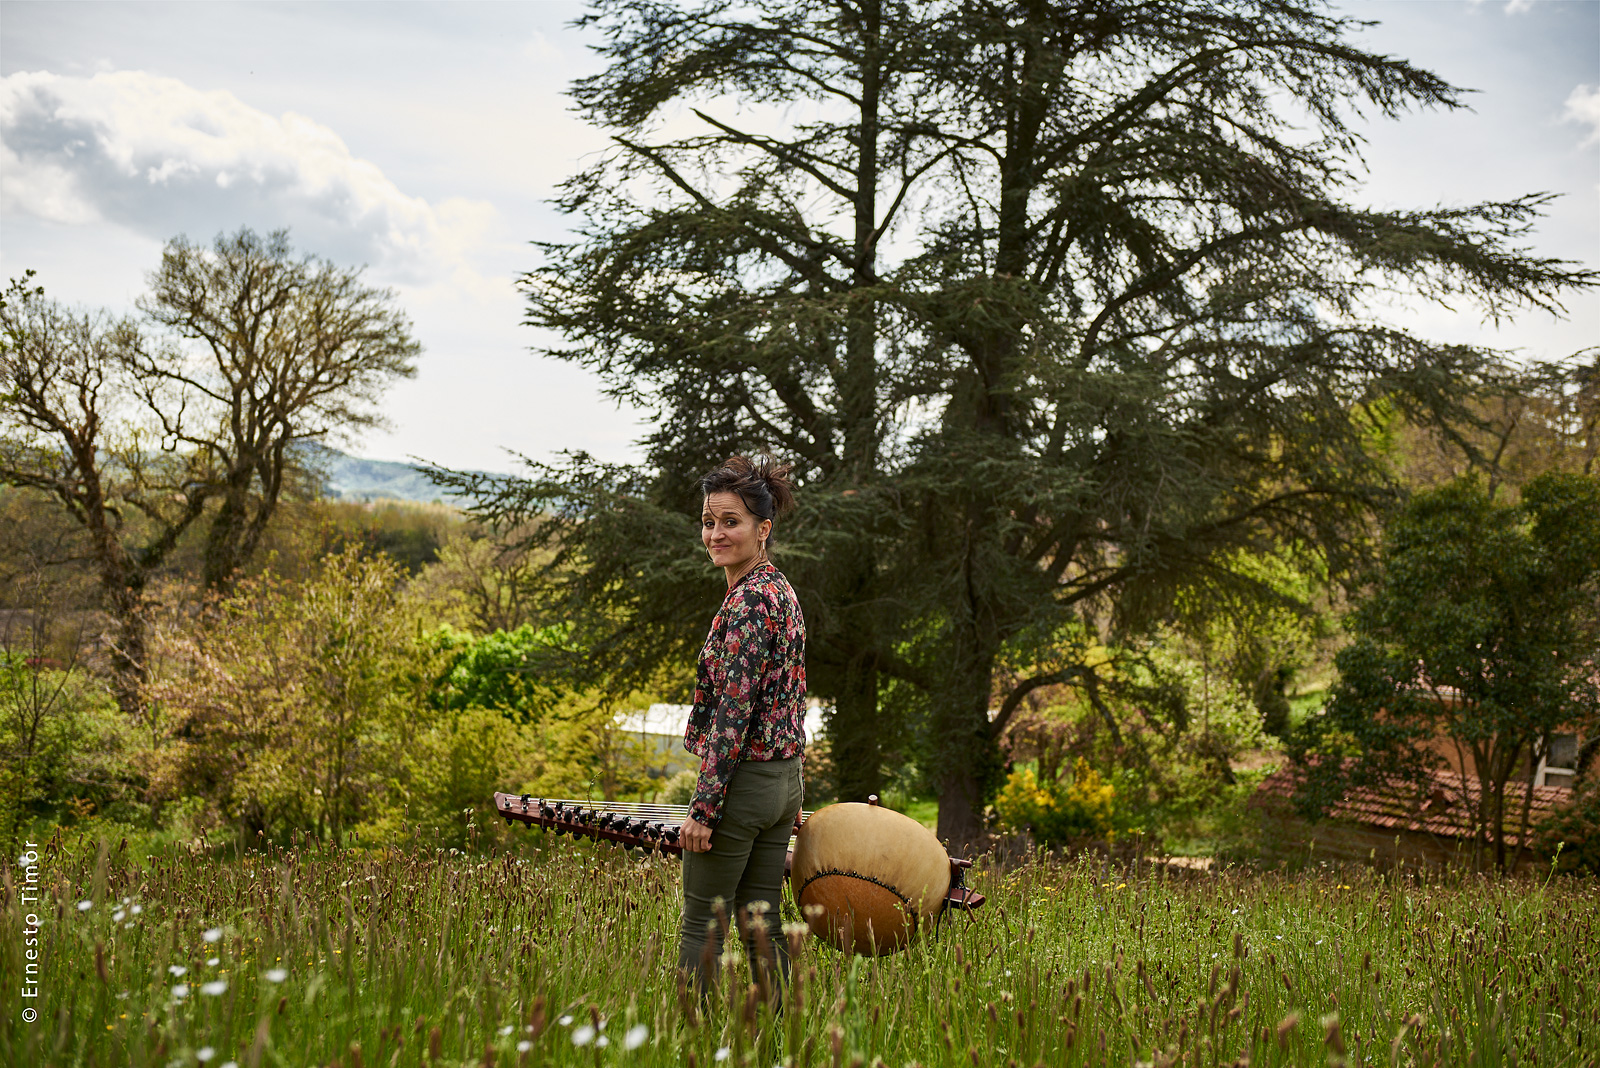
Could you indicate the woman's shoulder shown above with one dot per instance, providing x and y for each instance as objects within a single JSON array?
[
  {"x": 766, "y": 586},
  {"x": 779, "y": 596}
]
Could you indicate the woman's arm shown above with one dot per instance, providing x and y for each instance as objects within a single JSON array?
[{"x": 750, "y": 643}]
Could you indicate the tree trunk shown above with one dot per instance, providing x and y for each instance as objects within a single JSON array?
[
  {"x": 960, "y": 826},
  {"x": 130, "y": 669},
  {"x": 855, "y": 732},
  {"x": 966, "y": 757},
  {"x": 124, "y": 594},
  {"x": 228, "y": 528}
]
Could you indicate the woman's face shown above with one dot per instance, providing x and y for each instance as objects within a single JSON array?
[{"x": 730, "y": 532}]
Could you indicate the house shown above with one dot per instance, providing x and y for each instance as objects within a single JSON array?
[
  {"x": 1400, "y": 827},
  {"x": 660, "y": 729},
  {"x": 1558, "y": 767}
]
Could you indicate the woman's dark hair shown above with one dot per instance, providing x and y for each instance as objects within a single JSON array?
[{"x": 763, "y": 485}]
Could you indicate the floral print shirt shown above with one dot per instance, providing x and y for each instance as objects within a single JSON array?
[{"x": 750, "y": 686}]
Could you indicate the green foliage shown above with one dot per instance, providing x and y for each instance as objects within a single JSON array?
[
  {"x": 477, "y": 583},
  {"x": 1536, "y": 419},
  {"x": 1059, "y": 813},
  {"x": 1571, "y": 834},
  {"x": 1482, "y": 632},
  {"x": 679, "y": 789},
  {"x": 412, "y": 535},
  {"x": 1263, "y": 625},
  {"x": 521, "y": 673},
  {"x": 64, "y": 746},
  {"x": 300, "y": 711},
  {"x": 1181, "y": 730}
]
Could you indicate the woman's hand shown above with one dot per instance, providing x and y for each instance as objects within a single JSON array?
[{"x": 694, "y": 836}]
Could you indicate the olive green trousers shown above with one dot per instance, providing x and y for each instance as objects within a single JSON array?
[{"x": 744, "y": 867}]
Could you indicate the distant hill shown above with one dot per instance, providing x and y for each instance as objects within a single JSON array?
[{"x": 352, "y": 478}]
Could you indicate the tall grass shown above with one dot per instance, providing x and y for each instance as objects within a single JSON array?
[{"x": 561, "y": 953}]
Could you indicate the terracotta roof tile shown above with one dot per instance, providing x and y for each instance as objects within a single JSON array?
[{"x": 1446, "y": 811}]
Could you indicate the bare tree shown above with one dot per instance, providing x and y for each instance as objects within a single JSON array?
[
  {"x": 136, "y": 433},
  {"x": 68, "y": 429},
  {"x": 283, "y": 350}
]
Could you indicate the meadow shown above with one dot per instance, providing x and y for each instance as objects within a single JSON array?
[{"x": 557, "y": 952}]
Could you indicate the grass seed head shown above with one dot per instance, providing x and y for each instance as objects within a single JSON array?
[
  {"x": 1330, "y": 1033},
  {"x": 1285, "y": 1028}
]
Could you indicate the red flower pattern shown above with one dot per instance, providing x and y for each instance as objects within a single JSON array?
[{"x": 750, "y": 686}]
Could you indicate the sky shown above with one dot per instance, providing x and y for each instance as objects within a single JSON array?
[{"x": 424, "y": 141}]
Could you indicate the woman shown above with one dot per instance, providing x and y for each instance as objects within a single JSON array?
[{"x": 747, "y": 726}]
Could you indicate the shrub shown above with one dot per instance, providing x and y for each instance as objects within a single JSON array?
[
  {"x": 1572, "y": 833},
  {"x": 1058, "y": 813},
  {"x": 679, "y": 789}
]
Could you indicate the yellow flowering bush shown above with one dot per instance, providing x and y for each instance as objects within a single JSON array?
[{"x": 1055, "y": 813}]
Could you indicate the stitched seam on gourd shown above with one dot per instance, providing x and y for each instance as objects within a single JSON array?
[{"x": 856, "y": 875}]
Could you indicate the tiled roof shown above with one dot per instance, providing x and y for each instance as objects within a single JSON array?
[{"x": 1447, "y": 810}]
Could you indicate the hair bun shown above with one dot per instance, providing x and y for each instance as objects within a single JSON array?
[
  {"x": 764, "y": 485},
  {"x": 779, "y": 485}
]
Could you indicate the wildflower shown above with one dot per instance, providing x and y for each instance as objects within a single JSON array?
[
  {"x": 204, "y": 1053},
  {"x": 213, "y": 935},
  {"x": 230, "y": 1064},
  {"x": 176, "y": 970},
  {"x": 565, "y": 1021},
  {"x": 275, "y": 975},
  {"x": 181, "y": 990},
  {"x": 721, "y": 1054},
  {"x": 602, "y": 1042},
  {"x": 506, "y": 1030},
  {"x": 212, "y": 962},
  {"x": 135, "y": 909},
  {"x": 85, "y": 906},
  {"x": 116, "y": 917},
  {"x": 213, "y": 988},
  {"x": 583, "y": 1035},
  {"x": 524, "y": 1046}
]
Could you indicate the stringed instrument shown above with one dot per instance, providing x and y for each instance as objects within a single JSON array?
[{"x": 834, "y": 917}]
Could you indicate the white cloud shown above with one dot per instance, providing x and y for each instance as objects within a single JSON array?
[
  {"x": 1518, "y": 7},
  {"x": 1583, "y": 107},
  {"x": 160, "y": 157}
]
